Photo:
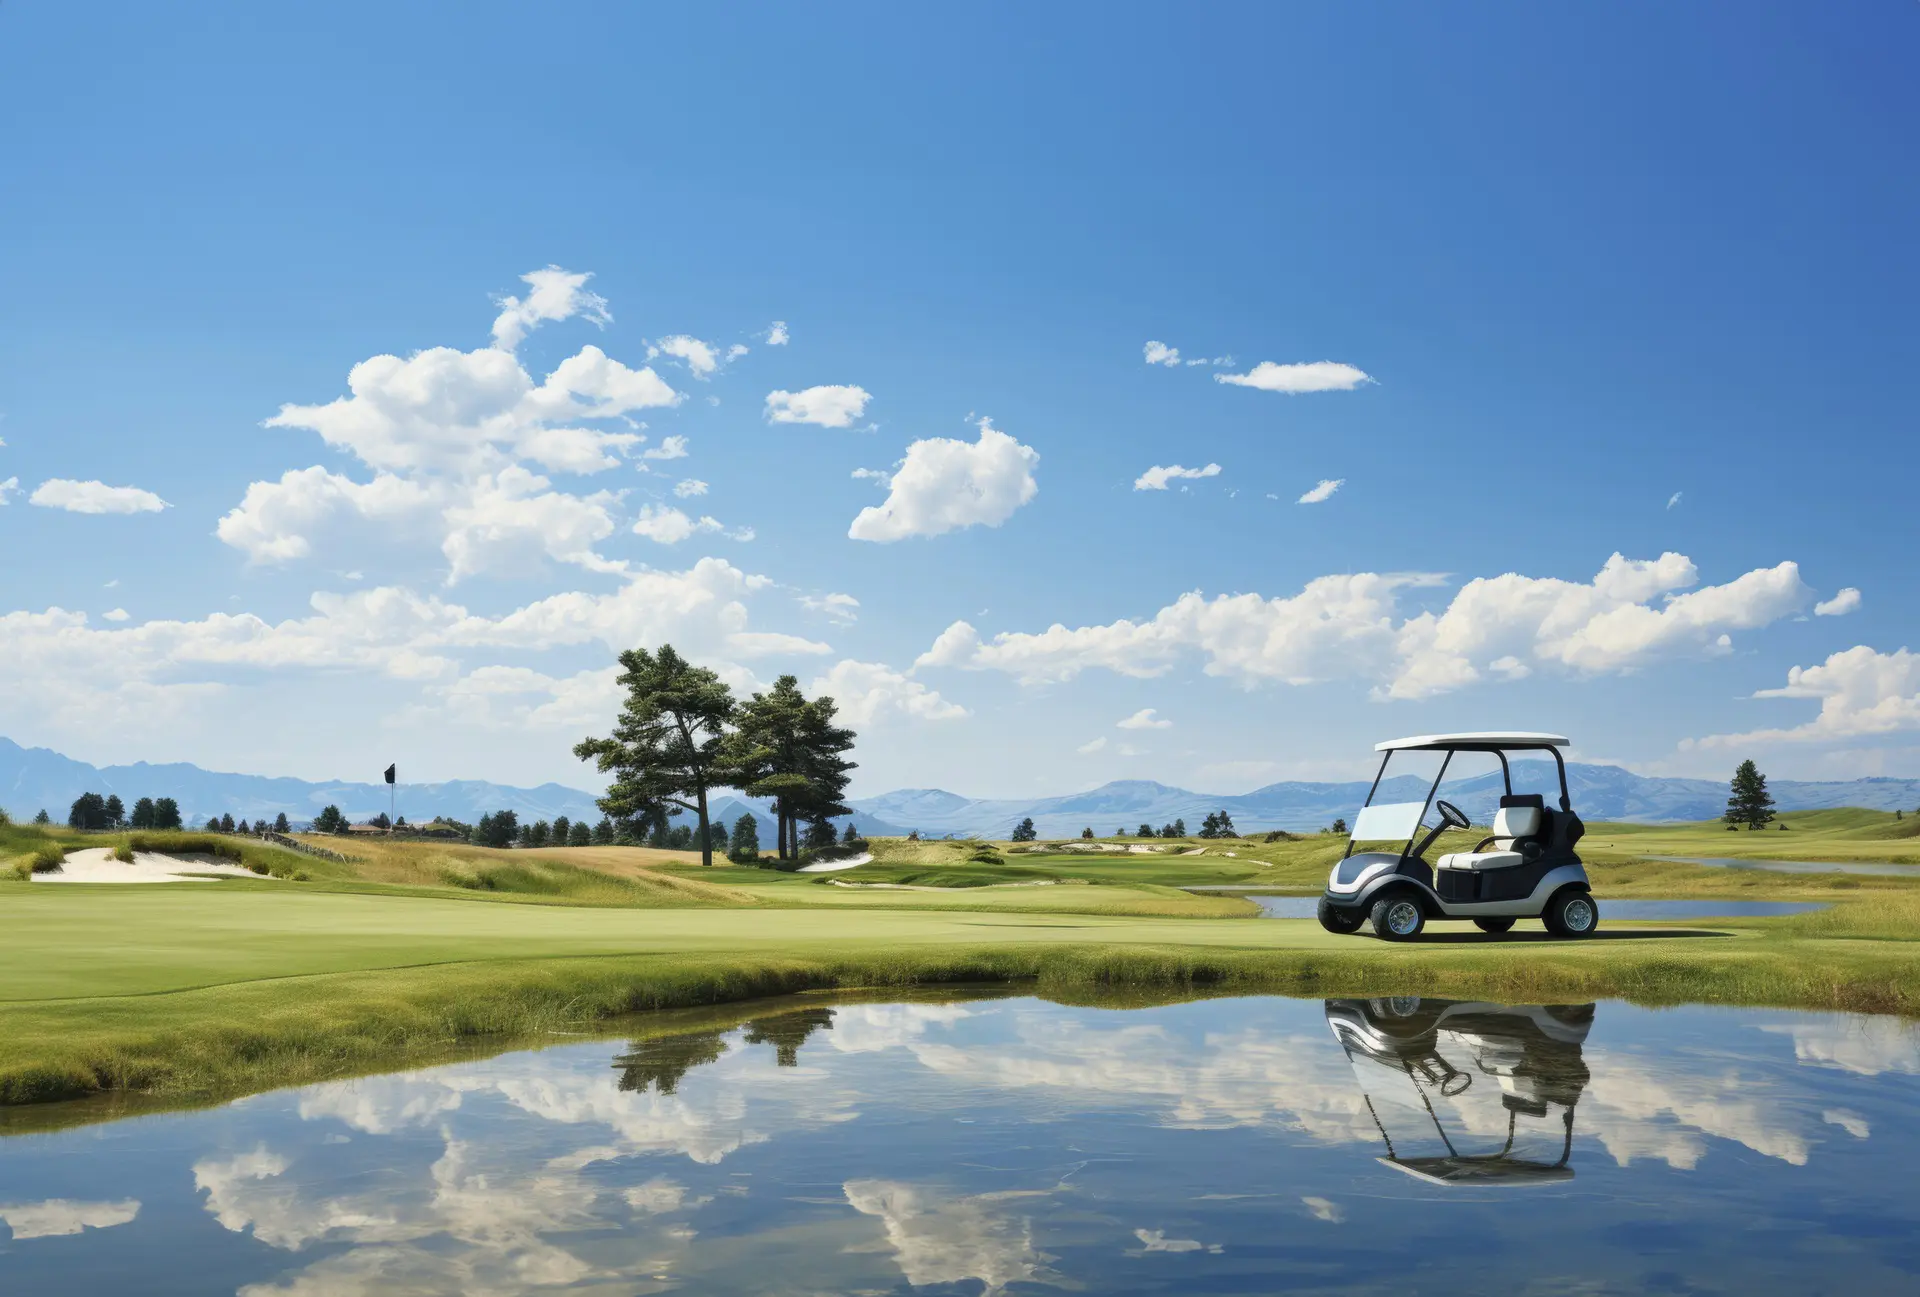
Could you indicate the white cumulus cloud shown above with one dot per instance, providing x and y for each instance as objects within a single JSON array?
[
  {"x": 553, "y": 294},
  {"x": 1327, "y": 486},
  {"x": 842, "y": 608},
  {"x": 8, "y": 487},
  {"x": 825, "y": 406},
  {"x": 1846, "y": 601},
  {"x": 669, "y": 526},
  {"x": 94, "y": 497},
  {"x": 871, "y": 691},
  {"x": 944, "y": 484},
  {"x": 1351, "y": 626},
  {"x": 1159, "y": 353},
  {"x": 669, "y": 448},
  {"x": 1314, "y": 376},
  {"x": 700, "y": 358},
  {"x": 1157, "y": 477},
  {"x": 1144, "y": 719},
  {"x": 1862, "y": 692},
  {"x": 777, "y": 335},
  {"x": 687, "y": 488},
  {"x": 459, "y": 442}
]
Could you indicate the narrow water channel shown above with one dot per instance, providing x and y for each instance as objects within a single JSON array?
[
  {"x": 1013, "y": 1145},
  {"x": 1303, "y": 907}
]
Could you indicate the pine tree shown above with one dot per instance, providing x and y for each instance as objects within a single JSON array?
[
  {"x": 226, "y": 822},
  {"x": 116, "y": 811},
  {"x": 143, "y": 814},
  {"x": 1086, "y": 834},
  {"x": 280, "y": 824},
  {"x": 1024, "y": 831},
  {"x": 330, "y": 820},
  {"x": 1210, "y": 827},
  {"x": 166, "y": 813},
  {"x": 1146, "y": 831},
  {"x": 561, "y": 831},
  {"x": 603, "y": 832},
  {"x": 1223, "y": 828},
  {"x": 42, "y": 817},
  {"x": 666, "y": 747},
  {"x": 1751, "y": 804},
  {"x": 743, "y": 848},
  {"x": 580, "y": 835}
]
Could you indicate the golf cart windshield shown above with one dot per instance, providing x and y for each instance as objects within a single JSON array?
[{"x": 1469, "y": 772}]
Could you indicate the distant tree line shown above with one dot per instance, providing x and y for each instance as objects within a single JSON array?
[{"x": 97, "y": 814}]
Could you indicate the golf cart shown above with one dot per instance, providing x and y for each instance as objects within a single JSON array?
[
  {"x": 1444, "y": 1079},
  {"x": 1525, "y": 869}
]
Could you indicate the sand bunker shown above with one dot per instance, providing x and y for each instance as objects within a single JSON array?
[
  {"x": 97, "y": 865},
  {"x": 1135, "y": 849},
  {"x": 835, "y": 866}
]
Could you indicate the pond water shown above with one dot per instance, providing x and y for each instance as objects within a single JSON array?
[
  {"x": 1303, "y": 907},
  {"x": 1800, "y": 866},
  {"x": 1014, "y": 1145}
]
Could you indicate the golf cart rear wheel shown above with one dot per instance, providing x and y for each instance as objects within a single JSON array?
[
  {"x": 1572, "y": 913},
  {"x": 1493, "y": 925},
  {"x": 1334, "y": 919},
  {"x": 1397, "y": 916}
]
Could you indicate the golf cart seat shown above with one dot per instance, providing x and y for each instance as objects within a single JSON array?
[{"x": 1519, "y": 836}]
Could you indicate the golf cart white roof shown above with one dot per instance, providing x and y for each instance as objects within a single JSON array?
[{"x": 1478, "y": 739}]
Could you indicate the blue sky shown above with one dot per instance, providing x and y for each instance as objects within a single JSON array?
[{"x": 1631, "y": 280}]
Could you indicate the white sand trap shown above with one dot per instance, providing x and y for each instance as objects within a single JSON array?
[
  {"x": 1197, "y": 851},
  {"x": 97, "y": 865},
  {"x": 1136, "y": 848},
  {"x": 835, "y": 866}
]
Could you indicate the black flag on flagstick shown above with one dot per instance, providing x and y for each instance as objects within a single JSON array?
[{"x": 389, "y": 774}]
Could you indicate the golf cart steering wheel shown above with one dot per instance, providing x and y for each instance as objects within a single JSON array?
[{"x": 1452, "y": 815}]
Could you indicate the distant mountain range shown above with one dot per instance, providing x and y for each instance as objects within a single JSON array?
[
  {"x": 36, "y": 778},
  {"x": 1598, "y": 793}
]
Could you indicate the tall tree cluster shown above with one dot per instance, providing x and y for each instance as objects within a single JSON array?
[{"x": 681, "y": 734}]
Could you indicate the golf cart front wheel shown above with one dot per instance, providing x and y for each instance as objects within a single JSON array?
[
  {"x": 1572, "y": 913},
  {"x": 1493, "y": 925},
  {"x": 1340, "y": 921},
  {"x": 1398, "y": 917}
]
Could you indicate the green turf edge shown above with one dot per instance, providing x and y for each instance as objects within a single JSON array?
[{"x": 223, "y": 1042}]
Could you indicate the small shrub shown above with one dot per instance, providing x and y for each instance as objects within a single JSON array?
[
  {"x": 124, "y": 853},
  {"x": 46, "y": 859}
]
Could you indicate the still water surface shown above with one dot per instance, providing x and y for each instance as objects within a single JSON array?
[
  {"x": 1304, "y": 907},
  {"x": 1013, "y": 1145}
]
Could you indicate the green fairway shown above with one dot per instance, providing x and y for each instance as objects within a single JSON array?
[{"x": 142, "y": 940}]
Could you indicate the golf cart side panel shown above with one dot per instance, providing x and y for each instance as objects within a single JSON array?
[{"x": 1523, "y": 907}]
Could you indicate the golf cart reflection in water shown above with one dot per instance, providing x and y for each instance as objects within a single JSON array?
[
  {"x": 1467, "y": 1093},
  {"x": 1526, "y": 868}
]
